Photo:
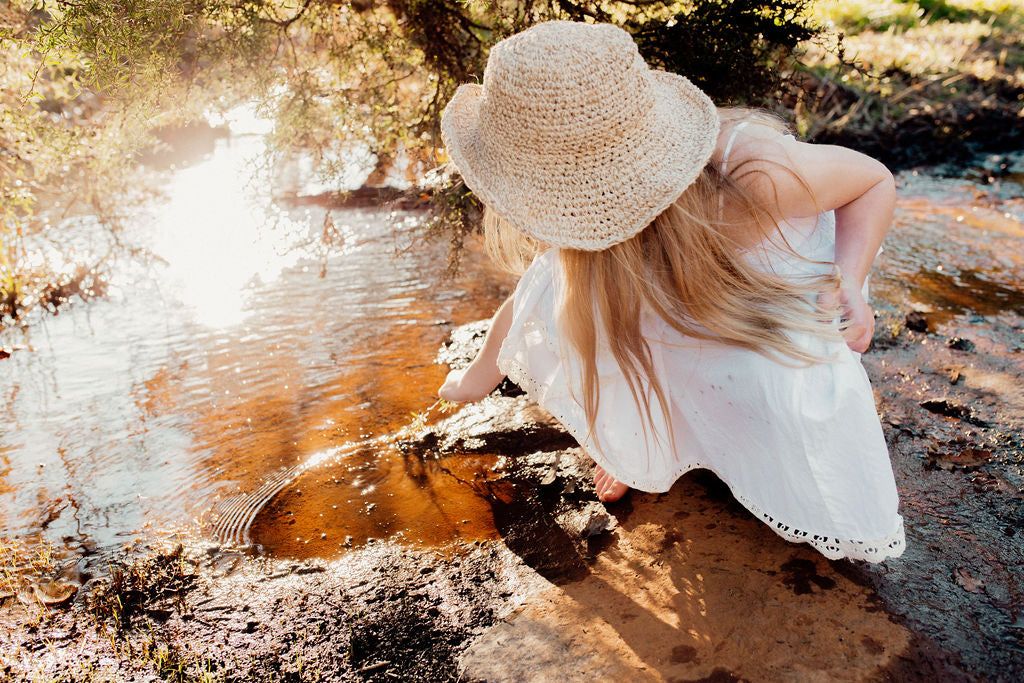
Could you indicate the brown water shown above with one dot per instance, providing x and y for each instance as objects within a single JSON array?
[
  {"x": 957, "y": 248},
  {"x": 240, "y": 356},
  {"x": 248, "y": 390}
]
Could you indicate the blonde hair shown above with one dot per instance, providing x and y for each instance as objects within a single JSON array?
[{"x": 687, "y": 268}]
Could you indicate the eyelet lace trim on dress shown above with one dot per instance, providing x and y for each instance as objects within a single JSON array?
[{"x": 872, "y": 550}]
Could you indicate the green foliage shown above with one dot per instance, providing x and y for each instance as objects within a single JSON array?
[
  {"x": 454, "y": 214},
  {"x": 858, "y": 16},
  {"x": 731, "y": 49}
]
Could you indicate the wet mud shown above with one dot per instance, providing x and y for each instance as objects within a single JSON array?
[{"x": 387, "y": 612}]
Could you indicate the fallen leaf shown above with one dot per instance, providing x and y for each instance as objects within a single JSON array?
[
  {"x": 53, "y": 593},
  {"x": 966, "y": 459},
  {"x": 968, "y": 582},
  {"x": 971, "y": 457}
]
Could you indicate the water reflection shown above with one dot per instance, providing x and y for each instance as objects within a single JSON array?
[
  {"x": 956, "y": 248},
  {"x": 227, "y": 361}
]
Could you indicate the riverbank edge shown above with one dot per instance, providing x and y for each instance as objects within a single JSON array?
[{"x": 386, "y": 610}]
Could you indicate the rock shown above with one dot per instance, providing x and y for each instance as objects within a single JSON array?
[
  {"x": 497, "y": 425},
  {"x": 583, "y": 522},
  {"x": 53, "y": 593},
  {"x": 960, "y": 344},
  {"x": 464, "y": 344},
  {"x": 462, "y": 347},
  {"x": 916, "y": 321}
]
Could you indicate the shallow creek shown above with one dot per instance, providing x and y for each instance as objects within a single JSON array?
[{"x": 244, "y": 388}]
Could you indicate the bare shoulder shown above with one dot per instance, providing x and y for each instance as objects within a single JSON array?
[
  {"x": 753, "y": 141},
  {"x": 742, "y": 138},
  {"x": 793, "y": 178}
]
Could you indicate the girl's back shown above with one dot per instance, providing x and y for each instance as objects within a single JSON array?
[{"x": 699, "y": 339}]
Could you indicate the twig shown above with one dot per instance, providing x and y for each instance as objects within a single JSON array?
[
  {"x": 285, "y": 23},
  {"x": 373, "y": 667}
]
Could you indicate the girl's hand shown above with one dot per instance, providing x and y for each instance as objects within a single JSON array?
[
  {"x": 857, "y": 317},
  {"x": 465, "y": 386}
]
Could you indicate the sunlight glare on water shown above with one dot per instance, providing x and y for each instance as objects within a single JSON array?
[
  {"x": 218, "y": 232},
  {"x": 256, "y": 368}
]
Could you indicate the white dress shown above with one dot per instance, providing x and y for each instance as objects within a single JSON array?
[{"x": 800, "y": 447}]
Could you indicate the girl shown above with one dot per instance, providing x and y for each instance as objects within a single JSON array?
[{"x": 688, "y": 264}]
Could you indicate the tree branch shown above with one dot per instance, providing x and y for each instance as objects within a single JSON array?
[{"x": 285, "y": 23}]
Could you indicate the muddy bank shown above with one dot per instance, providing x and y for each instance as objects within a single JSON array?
[
  {"x": 954, "y": 131},
  {"x": 685, "y": 585},
  {"x": 382, "y": 613}
]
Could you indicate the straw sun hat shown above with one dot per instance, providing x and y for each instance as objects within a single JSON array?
[{"x": 573, "y": 140}]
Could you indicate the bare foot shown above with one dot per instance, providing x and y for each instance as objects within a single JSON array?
[{"x": 608, "y": 490}]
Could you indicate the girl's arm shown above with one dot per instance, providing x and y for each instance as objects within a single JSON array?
[
  {"x": 793, "y": 179},
  {"x": 481, "y": 376},
  {"x": 861, "y": 226}
]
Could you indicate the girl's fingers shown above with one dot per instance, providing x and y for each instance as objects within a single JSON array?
[
  {"x": 449, "y": 390},
  {"x": 860, "y": 322},
  {"x": 858, "y": 335}
]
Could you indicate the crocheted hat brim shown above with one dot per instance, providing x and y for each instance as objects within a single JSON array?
[{"x": 600, "y": 196}]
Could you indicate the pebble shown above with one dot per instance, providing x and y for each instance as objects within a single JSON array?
[{"x": 960, "y": 344}]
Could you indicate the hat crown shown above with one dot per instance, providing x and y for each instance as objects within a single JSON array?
[
  {"x": 564, "y": 87},
  {"x": 573, "y": 140}
]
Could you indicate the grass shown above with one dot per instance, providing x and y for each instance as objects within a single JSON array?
[
  {"x": 19, "y": 564},
  {"x": 980, "y": 37},
  {"x": 160, "y": 579},
  {"x": 924, "y": 62},
  {"x": 117, "y": 615},
  {"x": 857, "y": 16}
]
